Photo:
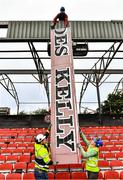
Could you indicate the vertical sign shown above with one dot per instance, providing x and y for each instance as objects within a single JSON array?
[{"x": 64, "y": 118}]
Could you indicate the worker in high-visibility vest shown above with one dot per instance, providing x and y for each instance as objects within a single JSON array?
[
  {"x": 42, "y": 157},
  {"x": 62, "y": 16},
  {"x": 91, "y": 155}
]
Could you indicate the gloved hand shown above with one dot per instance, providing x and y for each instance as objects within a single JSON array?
[
  {"x": 49, "y": 127},
  {"x": 52, "y": 26},
  {"x": 55, "y": 162},
  {"x": 79, "y": 146}
]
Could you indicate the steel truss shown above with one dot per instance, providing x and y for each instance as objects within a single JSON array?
[
  {"x": 95, "y": 79},
  {"x": 6, "y": 82}
]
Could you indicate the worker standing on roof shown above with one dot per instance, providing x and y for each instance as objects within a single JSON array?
[
  {"x": 42, "y": 156},
  {"x": 92, "y": 155},
  {"x": 62, "y": 16}
]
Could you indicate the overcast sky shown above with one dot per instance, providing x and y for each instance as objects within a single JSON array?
[{"x": 46, "y": 10}]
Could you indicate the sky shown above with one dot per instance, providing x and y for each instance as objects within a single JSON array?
[{"x": 99, "y": 10}]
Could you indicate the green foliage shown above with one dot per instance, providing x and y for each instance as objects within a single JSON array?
[
  {"x": 40, "y": 111},
  {"x": 113, "y": 104},
  {"x": 22, "y": 113}
]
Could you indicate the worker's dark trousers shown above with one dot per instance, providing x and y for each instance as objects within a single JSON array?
[
  {"x": 40, "y": 175},
  {"x": 92, "y": 175}
]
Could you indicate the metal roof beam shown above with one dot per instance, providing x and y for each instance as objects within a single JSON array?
[{"x": 48, "y": 71}]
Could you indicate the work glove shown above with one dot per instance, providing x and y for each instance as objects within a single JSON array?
[
  {"x": 52, "y": 26},
  {"x": 80, "y": 131},
  {"x": 55, "y": 162},
  {"x": 49, "y": 127},
  {"x": 79, "y": 146}
]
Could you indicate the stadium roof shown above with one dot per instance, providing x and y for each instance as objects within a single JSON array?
[{"x": 81, "y": 30}]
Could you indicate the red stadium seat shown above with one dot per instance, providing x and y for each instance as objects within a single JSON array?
[
  {"x": 22, "y": 146},
  {"x": 12, "y": 146},
  {"x": 6, "y": 168},
  {"x": 30, "y": 167},
  {"x": 110, "y": 156},
  {"x": 20, "y": 167},
  {"x": 51, "y": 175},
  {"x": 104, "y": 149},
  {"x": 62, "y": 175},
  {"x": 24, "y": 158},
  {"x": 116, "y": 165},
  {"x": 29, "y": 176},
  {"x": 76, "y": 167},
  {"x": 100, "y": 177},
  {"x": 28, "y": 151},
  {"x": 17, "y": 152},
  {"x": 51, "y": 168},
  {"x": 114, "y": 149},
  {"x": 6, "y": 152},
  {"x": 78, "y": 175},
  {"x": 62, "y": 167},
  {"x": 11, "y": 159},
  {"x": 104, "y": 165},
  {"x": 2, "y": 177},
  {"x": 119, "y": 156},
  {"x": 121, "y": 175},
  {"x": 2, "y": 159},
  {"x": 14, "y": 176},
  {"x": 111, "y": 175}
]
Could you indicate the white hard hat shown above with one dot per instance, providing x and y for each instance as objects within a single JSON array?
[{"x": 39, "y": 138}]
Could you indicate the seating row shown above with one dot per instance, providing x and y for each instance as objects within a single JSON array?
[{"x": 64, "y": 175}]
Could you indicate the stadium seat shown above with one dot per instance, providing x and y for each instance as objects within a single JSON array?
[
  {"x": 76, "y": 167},
  {"x": 2, "y": 177},
  {"x": 62, "y": 167},
  {"x": 116, "y": 165},
  {"x": 6, "y": 152},
  {"x": 119, "y": 156},
  {"x": 104, "y": 149},
  {"x": 12, "y": 146},
  {"x": 109, "y": 156},
  {"x": 20, "y": 167},
  {"x": 51, "y": 168},
  {"x": 100, "y": 176},
  {"x": 22, "y": 146},
  {"x": 3, "y": 146},
  {"x": 62, "y": 175},
  {"x": 104, "y": 165},
  {"x": 24, "y": 158},
  {"x": 2, "y": 159},
  {"x": 108, "y": 144},
  {"x": 121, "y": 175},
  {"x": 51, "y": 175},
  {"x": 114, "y": 149},
  {"x": 28, "y": 176},
  {"x": 111, "y": 175},
  {"x": 101, "y": 156},
  {"x": 17, "y": 152},
  {"x": 78, "y": 175},
  {"x": 28, "y": 151},
  {"x": 12, "y": 159},
  {"x": 30, "y": 167},
  {"x": 14, "y": 176},
  {"x": 6, "y": 168}
]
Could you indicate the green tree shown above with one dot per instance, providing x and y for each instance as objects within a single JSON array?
[
  {"x": 40, "y": 111},
  {"x": 113, "y": 104}
]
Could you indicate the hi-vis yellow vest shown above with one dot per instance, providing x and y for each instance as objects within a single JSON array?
[
  {"x": 92, "y": 162},
  {"x": 41, "y": 157}
]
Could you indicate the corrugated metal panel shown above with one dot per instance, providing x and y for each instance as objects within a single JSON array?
[
  {"x": 97, "y": 30},
  {"x": 28, "y": 30},
  {"x": 81, "y": 30}
]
